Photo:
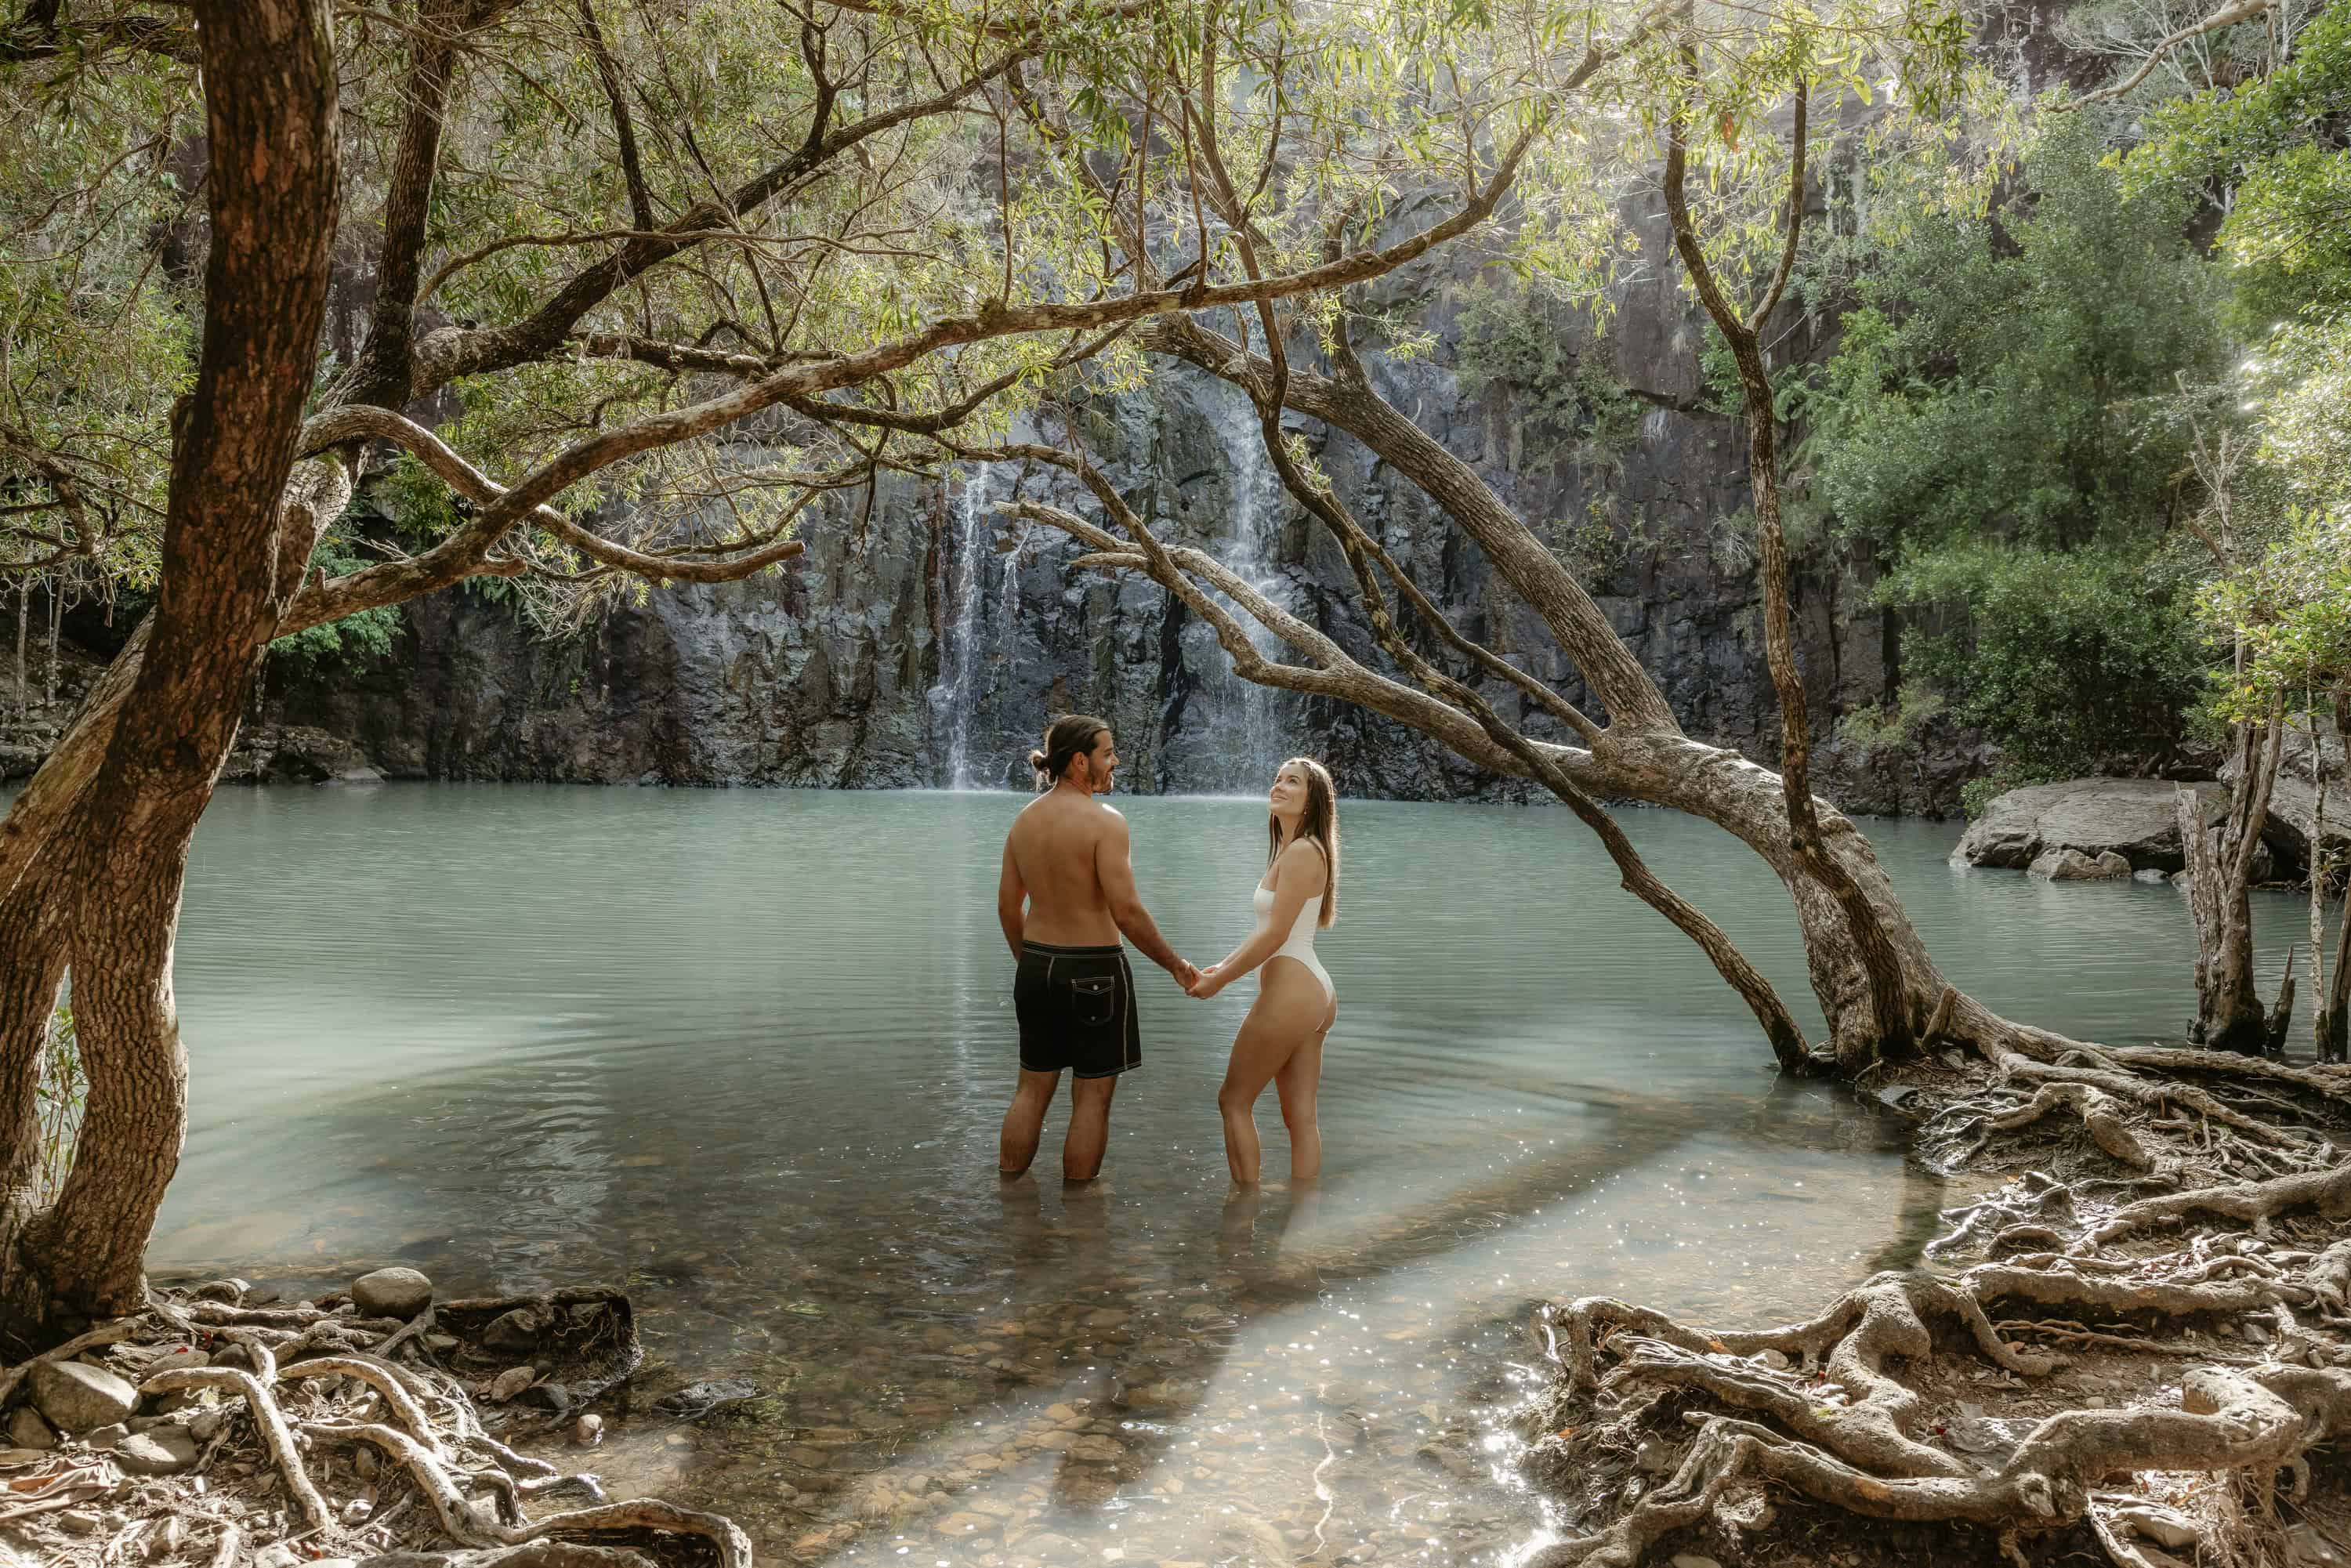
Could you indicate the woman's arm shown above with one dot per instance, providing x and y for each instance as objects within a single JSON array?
[{"x": 1297, "y": 876}]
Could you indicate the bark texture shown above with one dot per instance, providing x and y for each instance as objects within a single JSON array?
[
  {"x": 103, "y": 893},
  {"x": 2228, "y": 1015}
]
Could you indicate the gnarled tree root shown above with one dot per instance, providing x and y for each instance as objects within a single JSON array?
[
  {"x": 344, "y": 1393},
  {"x": 2327, "y": 1191},
  {"x": 2227, "y": 1420},
  {"x": 1858, "y": 1409}
]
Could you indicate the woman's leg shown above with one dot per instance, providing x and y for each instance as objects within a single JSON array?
[
  {"x": 1288, "y": 1003},
  {"x": 1297, "y": 1082}
]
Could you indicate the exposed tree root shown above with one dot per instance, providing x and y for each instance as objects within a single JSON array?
[
  {"x": 2224, "y": 1306},
  {"x": 311, "y": 1389}
]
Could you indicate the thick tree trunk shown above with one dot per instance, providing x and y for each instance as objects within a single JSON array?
[
  {"x": 2228, "y": 1015},
  {"x": 100, "y": 860}
]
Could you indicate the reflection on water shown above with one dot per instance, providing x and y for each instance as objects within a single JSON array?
[{"x": 746, "y": 1051}]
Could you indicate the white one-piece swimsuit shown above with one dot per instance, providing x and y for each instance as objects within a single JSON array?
[{"x": 1300, "y": 945}]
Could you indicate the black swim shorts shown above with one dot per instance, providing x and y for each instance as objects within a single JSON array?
[{"x": 1077, "y": 1010}]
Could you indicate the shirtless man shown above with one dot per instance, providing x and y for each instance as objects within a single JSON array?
[{"x": 1067, "y": 856}]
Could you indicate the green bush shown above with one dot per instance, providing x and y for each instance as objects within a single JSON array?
[
  {"x": 1998, "y": 380},
  {"x": 2064, "y": 658}
]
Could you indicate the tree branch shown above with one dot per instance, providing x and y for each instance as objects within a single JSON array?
[
  {"x": 2226, "y": 16},
  {"x": 339, "y": 425},
  {"x": 624, "y": 130}
]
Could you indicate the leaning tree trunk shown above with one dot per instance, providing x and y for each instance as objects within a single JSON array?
[
  {"x": 103, "y": 892},
  {"x": 2229, "y": 1014},
  {"x": 1642, "y": 754}
]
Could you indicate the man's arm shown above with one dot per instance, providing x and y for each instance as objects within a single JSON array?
[
  {"x": 1010, "y": 893},
  {"x": 1117, "y": 874}
]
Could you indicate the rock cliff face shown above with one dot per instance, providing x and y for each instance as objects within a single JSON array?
[{"x": 929, "y": 647}]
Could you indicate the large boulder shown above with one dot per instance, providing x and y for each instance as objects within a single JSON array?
[
  {"x": 2293, "y": 799},
  {"x": 2137, "y": 818},
  {"x": 76, "y": 1397}
]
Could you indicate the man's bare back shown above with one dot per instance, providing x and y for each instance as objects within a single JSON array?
[{"x": 1055, "y": 846}]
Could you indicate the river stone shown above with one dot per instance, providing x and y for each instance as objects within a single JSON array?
[
  {"x": 552, "y": 1397},
  {"x": 391, "y": 1293},
  {"x": 2137, "y": 818},
  {"x": 699, "y": 1399},
  {"x": 2165, "y": 1526},
  {"x": 510, "y": 1383},
  {"x": 2073, "y": 865},
  {"x": 164, "y": 1451},
  {"x": 27, "y": 1430},
  {"x": 76, "y": 1397},
  {"x": 517, "y": 1330}
]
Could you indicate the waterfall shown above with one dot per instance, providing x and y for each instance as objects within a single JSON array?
[
  {"x": 957, "y": 697},
  {"x": 1257, "y": 515}
]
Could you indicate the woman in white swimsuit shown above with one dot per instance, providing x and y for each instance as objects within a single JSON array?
[{"x": 1280, "y": 1042}]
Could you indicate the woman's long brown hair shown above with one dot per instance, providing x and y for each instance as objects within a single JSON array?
[{"x": 1319, "y": 822}]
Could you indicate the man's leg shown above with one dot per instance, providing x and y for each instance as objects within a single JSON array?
[
  {"x": 1089, "y": 1135},
  {"x": 1024, "y": 1123}
]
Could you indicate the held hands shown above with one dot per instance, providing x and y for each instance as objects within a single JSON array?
[{"x": 1206, "y": 983}]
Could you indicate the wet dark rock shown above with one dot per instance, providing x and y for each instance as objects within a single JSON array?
[
  {"x": 552, "y": 1397},
  {"x": 1450, "y": 1459},
  {"x": 517, "y": 1332},
  {"x": 295, "y": 754},
  {"x": 699, "y": 1399}
]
